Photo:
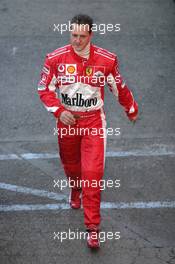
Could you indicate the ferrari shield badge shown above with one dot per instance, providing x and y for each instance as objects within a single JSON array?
[{"x": 89, "y": 71}]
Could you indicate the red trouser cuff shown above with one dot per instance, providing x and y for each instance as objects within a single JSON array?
[{"x": 92, "y": 227}]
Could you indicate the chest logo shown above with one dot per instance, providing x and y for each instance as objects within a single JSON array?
[
  {"x": 61, "y": 68},
  {"x": 89, "y": 71},
  {"x": 67, "y": 69},
  {"x": 71, "y": 69}
]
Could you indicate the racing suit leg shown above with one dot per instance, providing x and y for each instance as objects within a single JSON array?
[
  {"x": 92, "y": 169},
  {"x": 69, "y": 150},
  {"x": 83, "y": 157}
]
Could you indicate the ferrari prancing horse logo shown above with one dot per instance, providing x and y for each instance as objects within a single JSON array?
[{"x": 89, "y": 71}]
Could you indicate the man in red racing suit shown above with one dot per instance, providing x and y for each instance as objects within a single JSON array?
[{"x": 80, "y": 78}]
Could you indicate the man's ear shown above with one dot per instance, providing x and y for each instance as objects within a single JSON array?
[{"x": 91, "y": 34}]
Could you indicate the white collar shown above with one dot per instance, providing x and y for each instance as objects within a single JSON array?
[{"x": 85, "y": 52}]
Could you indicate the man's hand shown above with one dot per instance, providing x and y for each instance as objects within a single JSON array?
[
  {"x": 133, "y": 115},
  {"x": 133, "y": 120},
  {"x": 67, "y": 118}
]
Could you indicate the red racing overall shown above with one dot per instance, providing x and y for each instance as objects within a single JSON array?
[{"x": 80, "y": 83}]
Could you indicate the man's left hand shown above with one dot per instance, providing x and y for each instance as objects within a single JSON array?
[
  {"x": 132, "y": 114},
  {"x": 133, "y": 119}
]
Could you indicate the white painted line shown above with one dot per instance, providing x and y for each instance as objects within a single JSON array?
[
  {"x": 60, "y": 197},
  {"x": 29, "y": 156},
  {"x": 139, "y": 205},
  {"x": 9, "y": 157},
  {"x": 139, "y": 153},
  {"x": 107, "y": 205},
  {"x": 33, "y": 207},
  {"x": 14, "y": 50},
  {"x": 36, "y": 192},
  {"x": 117, "y": 154}
]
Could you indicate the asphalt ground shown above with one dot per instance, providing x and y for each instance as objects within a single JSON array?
[{"x": 33, "y": 210}]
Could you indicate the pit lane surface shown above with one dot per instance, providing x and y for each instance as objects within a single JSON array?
[{"x": 142, "y": 157}]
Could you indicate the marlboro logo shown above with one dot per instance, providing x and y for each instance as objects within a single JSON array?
[{"x": 78, "y": 100}]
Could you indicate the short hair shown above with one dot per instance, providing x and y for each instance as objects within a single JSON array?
[{"x": 82, "y": 19}]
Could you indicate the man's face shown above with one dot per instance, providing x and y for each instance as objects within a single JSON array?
[{"x": 80, "y": 36}]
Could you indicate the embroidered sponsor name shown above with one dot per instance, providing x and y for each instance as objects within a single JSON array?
[
  {"x": 46, "y": 70},
  {"x": 78, "y": 100}
]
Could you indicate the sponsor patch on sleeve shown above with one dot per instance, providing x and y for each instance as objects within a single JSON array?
[
  {"x": 46, "y": 70},
  {"x": 41, "y": 87},
  {"x": 43, "y": 78}
]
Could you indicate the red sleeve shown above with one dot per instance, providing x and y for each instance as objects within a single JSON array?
[
  {"x": 122, "y": 92},
  {"x": 47, "y": 89}
]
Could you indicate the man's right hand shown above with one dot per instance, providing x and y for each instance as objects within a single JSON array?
[{"x": 67, "y": 118}]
